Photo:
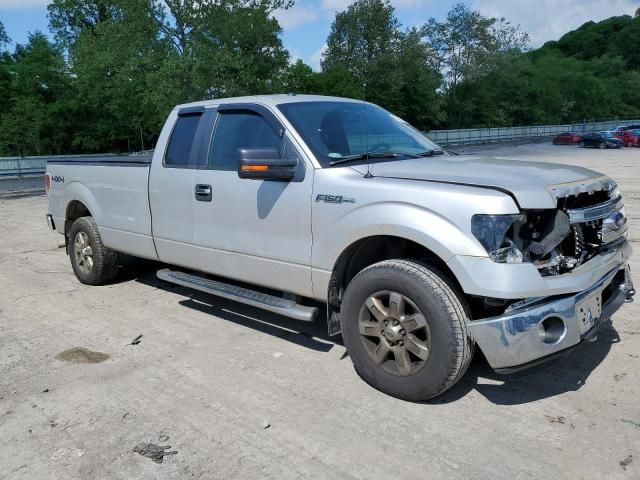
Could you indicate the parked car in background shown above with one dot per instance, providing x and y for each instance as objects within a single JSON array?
[
  {"x": 600, "y": 140},
  {"x": 567, "y": 138},
  {"x": 628, "y": 127},
  {"x": 629, "y": 139}
]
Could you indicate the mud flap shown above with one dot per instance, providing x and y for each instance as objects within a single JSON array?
[{"x": 333, "y": 323}]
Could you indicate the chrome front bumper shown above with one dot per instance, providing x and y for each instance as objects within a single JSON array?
[{"x": 540, "y": 327}]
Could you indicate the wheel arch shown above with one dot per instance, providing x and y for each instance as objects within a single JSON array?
[
  {"x": 372, "y": 249},
  {"x": 79, "y": 202}
]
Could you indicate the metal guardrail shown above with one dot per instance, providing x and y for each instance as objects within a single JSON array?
[
  {"x": 21, "y": 167},
  {"x": 37, "y": 165},
  {"x": 475, "y": 136},
  {"x": 29, "y": 166}
]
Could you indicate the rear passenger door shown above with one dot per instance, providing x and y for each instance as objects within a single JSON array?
[
  {"x": 171, "y": 187},
  {"x": 257, "y": 231}
]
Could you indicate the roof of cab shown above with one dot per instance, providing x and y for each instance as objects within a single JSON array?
[{"x": 271, "y": 100}]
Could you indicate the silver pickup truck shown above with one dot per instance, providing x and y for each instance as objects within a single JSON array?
[{"x": 285, "y": 201}]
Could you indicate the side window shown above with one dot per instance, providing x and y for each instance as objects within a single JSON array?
[
  {"x": 239, "y": 129},
  {"x": 179, "y": 148}
]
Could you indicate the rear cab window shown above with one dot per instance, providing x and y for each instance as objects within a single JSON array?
[{"x": 182, "y": 141}]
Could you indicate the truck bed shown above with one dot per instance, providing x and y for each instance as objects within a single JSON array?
[{"x": 115, "y": 189}]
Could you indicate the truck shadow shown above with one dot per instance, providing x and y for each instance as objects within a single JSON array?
[
  {"x": 565, "y": 374},
  {"x": 312, "y": 335},
  {"x": 562, "y": 375}
]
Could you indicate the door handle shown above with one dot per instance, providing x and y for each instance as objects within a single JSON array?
[{"x": 203, "y": 193}]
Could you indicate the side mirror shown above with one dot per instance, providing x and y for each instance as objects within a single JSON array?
[{"x": 265, "y": 164}]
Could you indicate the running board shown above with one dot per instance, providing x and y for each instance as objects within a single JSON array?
[{"x": 274, "y": 304}]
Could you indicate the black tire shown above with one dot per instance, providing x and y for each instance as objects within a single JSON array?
[
  {"x": 581, "y": 144},
  {"x": 103, "y": 265},
  {"x": 450, "y": 346}
]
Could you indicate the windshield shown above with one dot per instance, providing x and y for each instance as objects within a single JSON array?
[{"x": 335, "y": 130}]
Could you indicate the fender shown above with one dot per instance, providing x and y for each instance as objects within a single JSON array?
[
  {"x": 80, "y": 192},
  {"x": 400, "y": 219}
]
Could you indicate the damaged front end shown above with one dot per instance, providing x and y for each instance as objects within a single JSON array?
[
  {"x": 589, "y": 218},
  {"x": 580, "y": 252}
]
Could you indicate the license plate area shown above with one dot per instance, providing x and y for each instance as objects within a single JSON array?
[{"x": 588, "y": 311}]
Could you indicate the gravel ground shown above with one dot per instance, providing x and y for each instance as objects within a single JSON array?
[{"x": 217, "y": 390}]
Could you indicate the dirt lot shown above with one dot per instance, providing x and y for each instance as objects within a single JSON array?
[{"x": 239, "y": 393}]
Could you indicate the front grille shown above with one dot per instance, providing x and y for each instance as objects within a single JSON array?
[
  {"x": 596, "y": 222},
  {"x": 582, "y": 200}
]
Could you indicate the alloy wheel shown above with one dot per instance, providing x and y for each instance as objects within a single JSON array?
[
  {"x": 394, "y": 332},
  {"x": 83, "y": 252}
]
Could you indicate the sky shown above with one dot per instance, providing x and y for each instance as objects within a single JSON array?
[{"x": 306, "y": 25}]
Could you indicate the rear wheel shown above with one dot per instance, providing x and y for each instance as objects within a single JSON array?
[
  {"x": 92, "y": 262},
  {"x": 602, "y": 145},
  {"x": 405, "y": 328}
]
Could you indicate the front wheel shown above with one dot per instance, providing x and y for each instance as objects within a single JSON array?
[
  {"x": 405, "y": 328},
  {"x": 92, "y": 262},
  {"x": 602, "y": 145}
]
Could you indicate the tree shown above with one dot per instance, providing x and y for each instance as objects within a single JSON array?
[
  {"x": 32, "y": 123},
  {"x": 299, "y": 78},
  {"x": 4, "y": 38},
  {"x": 467, "y": 46},
  {"x": 362, "y": 35},
  {"x": 114, "y": 49},
  {"x": 222, "y": 47},
  {"x": 133, "y": 61},
  {"x": 421, "y": 104},
  {"x": 369, "y": 56},
  {"x": 5, "y": 71}
]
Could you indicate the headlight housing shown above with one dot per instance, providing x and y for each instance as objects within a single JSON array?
[{"x": 492, "y": 231}]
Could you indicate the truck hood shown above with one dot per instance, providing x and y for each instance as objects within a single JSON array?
[{"x": 533, "y": 184}]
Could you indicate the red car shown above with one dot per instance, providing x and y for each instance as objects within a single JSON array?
[
  {"x": 628, "y": 137},
  {"x": 567, "y": 138}
]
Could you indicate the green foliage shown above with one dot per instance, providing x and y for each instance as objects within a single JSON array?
[
  {"x": 4, "y": 38},
  {"x": 33, "y": 118},
  {"x": 368, "y": 56},
  {"x": 117, "y": 67},
  {"x": 590, "y": 73},
  {"x": 467, "y": 46}
]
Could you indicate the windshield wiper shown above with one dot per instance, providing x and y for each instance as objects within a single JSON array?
[
  {"x": 369, "y": 156},
  {"x": 431, "y": 153}
]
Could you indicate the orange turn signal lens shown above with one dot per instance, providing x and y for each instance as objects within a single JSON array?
[{"x": 255, "y": 168}]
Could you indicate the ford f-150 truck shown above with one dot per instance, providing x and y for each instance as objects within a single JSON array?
[{"x": 289, "y": 202}]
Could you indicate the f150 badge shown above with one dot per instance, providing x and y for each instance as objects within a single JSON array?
[{"x": 334, "y": 199}]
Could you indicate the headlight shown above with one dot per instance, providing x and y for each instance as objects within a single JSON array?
[{"x": 491, "y": 231}]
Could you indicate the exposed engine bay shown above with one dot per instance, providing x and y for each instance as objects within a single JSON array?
[{"x": 585, "y": 223}]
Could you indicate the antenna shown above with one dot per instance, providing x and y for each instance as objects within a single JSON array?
[{"x": 366, "y": 130}]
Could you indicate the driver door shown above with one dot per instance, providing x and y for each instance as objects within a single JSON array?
[{"x": 258, "y": 231}]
